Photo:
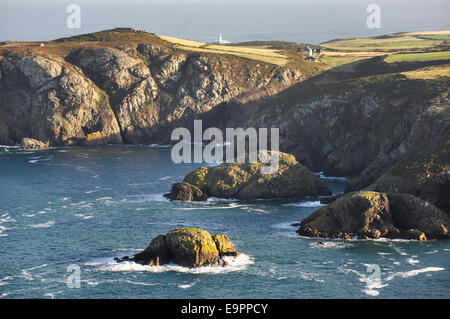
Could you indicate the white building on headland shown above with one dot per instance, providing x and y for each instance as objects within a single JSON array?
[
  {"x": 308, "y": 51},
  {"x": 310, "y": 54},
  {"x": 221, "y": 40}
]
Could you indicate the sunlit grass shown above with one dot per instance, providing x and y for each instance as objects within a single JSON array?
[
  {"x": 428, "y": 73},
  {"x": 258, "y": 54},
  {"x": 409, "y": 57},
  {"x": 387, "y": 43}
]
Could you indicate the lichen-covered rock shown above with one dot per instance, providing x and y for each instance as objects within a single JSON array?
[
  {"x": 32, "y": 144},
  {"x": 186, "y": 192},
  {"x": 188, "y": 247},
  {"x": 367, "y": 214},
  {"x": 363, "y": 214},
  {"x": 224, "y": 245},
  {"x": 245, "y": 180},
  {"x": 192, "y": 247}
]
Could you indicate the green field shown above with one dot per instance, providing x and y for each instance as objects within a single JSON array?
[
  {"x": 388, "y": 43},
  {"x": 410, "y": 57}
]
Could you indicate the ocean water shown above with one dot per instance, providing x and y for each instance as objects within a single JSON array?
[{"x": 85, "y": 206}]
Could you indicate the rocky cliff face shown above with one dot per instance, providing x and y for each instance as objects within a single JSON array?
[
  {"x": 133, "y": 93},
  {"x": 359, "y": 127},
  {"x": 52, "y": 101},
  {"x": 356, "y": 124}
]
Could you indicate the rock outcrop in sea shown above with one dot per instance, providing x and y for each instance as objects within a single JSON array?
[
  {"x": 246, "y": 181},
  {"x": 186, "y": 192},
  {"x": 188, "y": 247},
  {"x": 371, "y": 215},
  {"x": 32, "y": 144}
]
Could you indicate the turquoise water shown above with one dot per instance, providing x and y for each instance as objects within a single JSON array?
[{"x": 85, "y": 206}]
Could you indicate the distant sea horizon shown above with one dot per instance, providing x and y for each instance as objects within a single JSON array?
[{"x": 294, "y": 21}]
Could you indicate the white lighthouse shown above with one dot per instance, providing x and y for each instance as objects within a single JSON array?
[{"x": 221, "y": 40}]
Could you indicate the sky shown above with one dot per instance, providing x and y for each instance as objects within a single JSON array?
[{"x": 306, "y": 21}]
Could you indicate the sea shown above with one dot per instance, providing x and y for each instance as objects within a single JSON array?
[{"x": 65, "y": 213}]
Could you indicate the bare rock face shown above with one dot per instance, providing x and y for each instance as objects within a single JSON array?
[
  {"x": 156, "y": 254},
  {"x": 188, "y": 247},
  {"x": 38, "y": 70},
  {"x": 426, "y": 176},
  {"x": 32, "y": 144},
  {"x": 112, "y": 70},
  {"x": 410, "y": 212},
  {"x": 245, "y": 180},
  {"x": 48, "y": 100},
  {"x": 369, "y": 214}
]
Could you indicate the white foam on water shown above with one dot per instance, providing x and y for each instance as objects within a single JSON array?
[
  {"x": 412, "y": 261},
  {"x": 186, "y": 286},
  {"x": 213, "y": 164},
  {"x": 305, "y": 204},
  {"x": 256, "y": 210},
  {"x": 26, "y": 275},
  {"x": 333, "y": 244},
  {"x": 238, "y": 263},
  {"x": 431, "y": 252},
  {"x": 285, "y": 225},
  {"x": 5, "y": 218},
  {"x": 331, "y": 178},
  {"x": 372, "y": 284},
  {"x": 415, "y": 272},
  {"x": 231, "y": 205},
  {"x": 158, "y": 197},
  {"x": 43, "y": 225},
  {"x": 104, "y": 198},
  {"x": 140, "y": 184},
  {"x": 138, "y": 283},
  {"x": 37, "y": 267},
  {"x": 164, "y": 178},
  {"x": 371, "y": 292},
  {"x": 160, "y": 145},
  {"x": 82, "y": 216},
  {"x": 52, "y": 295},
  {"x": 217, "y": 199},
  {"x": 129, "y": 250}
]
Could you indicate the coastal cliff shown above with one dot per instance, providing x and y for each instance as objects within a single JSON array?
[
  {"x": 80, "y": 92},
  {"x": 358, "y": 119}
]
